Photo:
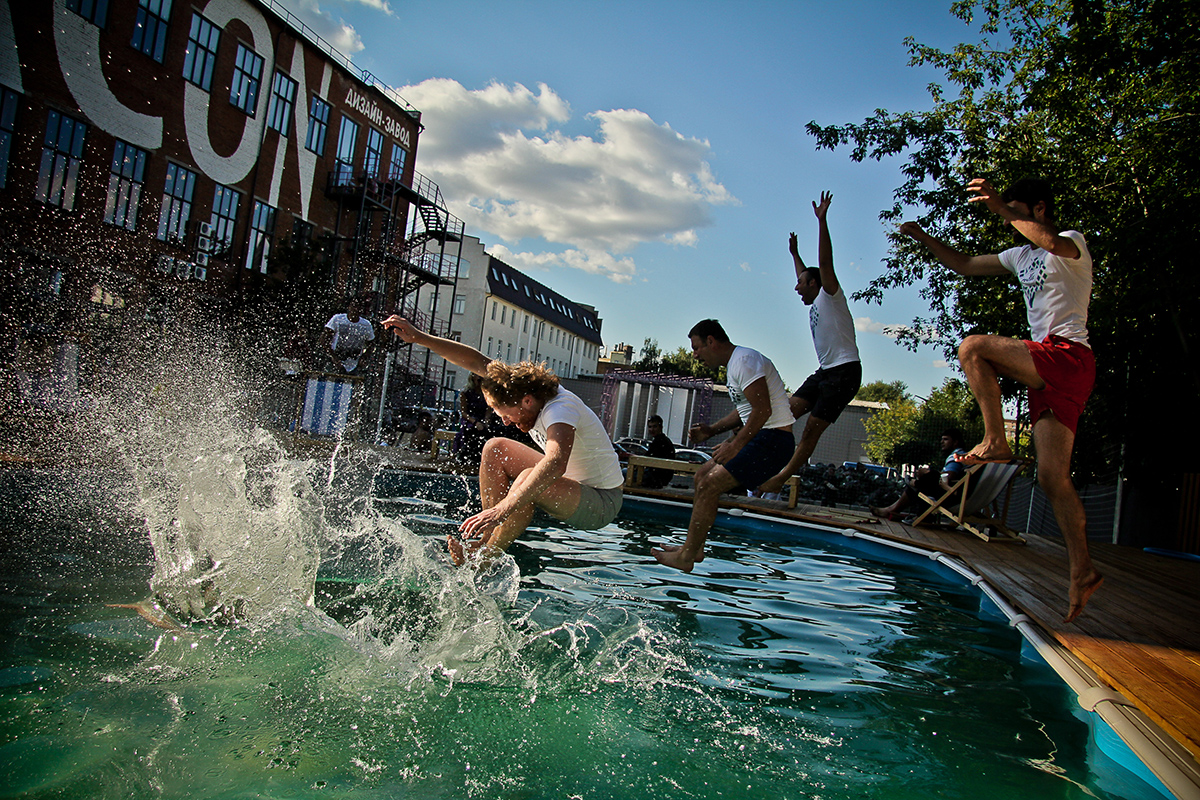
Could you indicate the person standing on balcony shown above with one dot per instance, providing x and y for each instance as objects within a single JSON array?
[
  {"x": 347, "y": 337},
  {"x": 576, "y": 479}
]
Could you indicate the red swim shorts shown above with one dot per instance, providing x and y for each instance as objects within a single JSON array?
[{"x": 1069, "y": 370}]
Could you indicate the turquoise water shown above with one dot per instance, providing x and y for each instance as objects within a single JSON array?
[{"x": 785, "y": 666}]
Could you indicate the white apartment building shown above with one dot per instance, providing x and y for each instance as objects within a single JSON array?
[{"x": 510, "y": 316}]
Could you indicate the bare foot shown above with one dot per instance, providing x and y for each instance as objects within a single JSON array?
[
  {"x": 981, "y": 454},
  {"x": 675, "y": 548},
  {"x": 882, "y": 513},
  {"x": 1082, "y": 591},
  {"x": 674, "y": 557},
  {"x": 457, "y": 555}
]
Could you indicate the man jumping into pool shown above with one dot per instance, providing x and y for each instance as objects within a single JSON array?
[
  {"x": 826, "y": 392},
  {"x": 753, "y": 454},
  {"x": 577, "y": 478},
  {"x": 1055, "y": 271}
]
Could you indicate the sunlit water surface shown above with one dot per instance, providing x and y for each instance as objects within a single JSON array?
[{"x": 783, "y": 667}]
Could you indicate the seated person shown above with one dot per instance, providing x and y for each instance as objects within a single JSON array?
[
  {"x": 928, "y": 480},
  {"x": 660, "y": 447}
]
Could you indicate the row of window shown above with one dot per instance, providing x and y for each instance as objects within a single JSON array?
[
  {"x": 200, "y": 58},
  {"x": 547, "y": 300},
  {"x": 58, "y": 175},
  {"x": 504, "y": 350},
  {"x": 507, "y": 316}
]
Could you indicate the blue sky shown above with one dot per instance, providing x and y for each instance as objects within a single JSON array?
[{"x": 649, "y": 158}]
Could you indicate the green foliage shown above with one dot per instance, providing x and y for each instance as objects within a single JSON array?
[
  {"x": 682, "y": 362},
  {"x": 651, "y": 357},
  {"x": 908, "y": 433},
  {"x": 1102, "y": 98},
  {"x": 892, "y": 393}
]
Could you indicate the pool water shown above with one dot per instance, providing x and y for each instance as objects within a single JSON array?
[{"x": 787, "y": 665}]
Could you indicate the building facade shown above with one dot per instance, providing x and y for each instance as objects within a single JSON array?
[
  {"x": 505, "y": 314},
  {"x": 156, "y": 154}
]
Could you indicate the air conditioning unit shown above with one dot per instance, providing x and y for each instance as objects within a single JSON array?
[
  {"x": 202, "y": 258},
  {"x": 204, "y": 229},
  {"x": 165, "y": 264},
  {"x": 199, "y": 273}
]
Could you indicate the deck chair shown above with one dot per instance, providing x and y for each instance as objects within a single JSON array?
[{"x": 981, "y": 487}]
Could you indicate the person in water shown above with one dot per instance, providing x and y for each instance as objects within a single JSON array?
[{"x": 577, "y": 478}]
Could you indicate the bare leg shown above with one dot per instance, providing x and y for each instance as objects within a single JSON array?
[
  {"x": 804, "y": 448},
  {"x": 502, "y": 466},
  {"x": 1054, "y": 442},
  {"x": 711, "y": 480},
  {"x": 984, "y": 359}
]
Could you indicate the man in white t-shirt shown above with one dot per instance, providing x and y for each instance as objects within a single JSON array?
[
  {"x": 839, "y": 372},
  {"x": 757, "y": 451},
  {"x": 347, "y": 336},
  {"x": 1055, "y": 271},
  {"x": 576, "y": 478}
]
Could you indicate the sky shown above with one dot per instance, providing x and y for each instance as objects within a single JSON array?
[{"x": 649, "y": 158}]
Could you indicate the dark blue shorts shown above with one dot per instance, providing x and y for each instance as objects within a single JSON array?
[
  {"x": 762, "y": 458},
  {"x": 828, "y": 391}
]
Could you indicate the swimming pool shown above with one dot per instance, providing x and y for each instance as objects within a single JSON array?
[{"x": 789, "y": 664}]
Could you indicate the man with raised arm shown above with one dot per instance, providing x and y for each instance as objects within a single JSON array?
[
  {"x": 753, "y": 454},
  {"x": 1055, "y": 272},
  {"x": 839, "y": 372},
  {"x": 577, "y": 478}
]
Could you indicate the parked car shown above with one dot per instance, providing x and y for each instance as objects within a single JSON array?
[
  {"x": 691, "y": 456},
  {"x": 626, "y": 448}
]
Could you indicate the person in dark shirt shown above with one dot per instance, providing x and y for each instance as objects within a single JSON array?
[
  {"x": 660, "y": 447},
  {"x": 933, "y": 481}
]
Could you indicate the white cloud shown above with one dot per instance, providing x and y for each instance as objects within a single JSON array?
[
  {"x": 941, "y": 363},
  {"x": 894, "y": 331},
  {"x": 745, "y": 267},
  {"x": 504, "y": 167},
  {"x": 339, "y": 33},
  {"x": 620, "y": 270}
]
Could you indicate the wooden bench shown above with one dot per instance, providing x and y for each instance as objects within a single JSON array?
[
  {"x": 638, "y": 464},
  {"x": 435, "y": 444}
]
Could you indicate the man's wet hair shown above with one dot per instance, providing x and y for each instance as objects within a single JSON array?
[
  {"x": 1031, "y": 191},
  {"x": 814, "y": 275},
  {"x": 654, "y": 418},
  {"x": 709, "y": 327}
]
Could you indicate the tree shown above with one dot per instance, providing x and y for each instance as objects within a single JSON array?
[
  {"x": 893, "y": 393},
  {"x": 1101, "y": 97},
  {"x": 682, "y": 362},
  {"x": 651, "y": 357},
  {"x": 908, "y": 433}
]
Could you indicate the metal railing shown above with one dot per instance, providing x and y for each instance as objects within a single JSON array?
[{"x": 315, "y": 39}]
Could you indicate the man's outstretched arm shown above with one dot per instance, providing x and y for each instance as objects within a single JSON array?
[
  {"x": 457, "y": 353},
  {"x": 829, "y": 281},
  {"x": 956, "y": 260}
]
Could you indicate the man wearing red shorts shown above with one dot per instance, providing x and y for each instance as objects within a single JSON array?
[{"x": 1055, "y": 271}]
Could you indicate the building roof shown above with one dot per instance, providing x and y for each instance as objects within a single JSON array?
[{"x": 514, "y": 286}]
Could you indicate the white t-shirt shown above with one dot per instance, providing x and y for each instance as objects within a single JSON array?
[
  {"x": 1057, "y": 290},
  {"x": 349, "y": 338},
  {"x": 744, "y": 368},
  {"x": 593, "y": 460},
  {"x": 832, "y": 329}
]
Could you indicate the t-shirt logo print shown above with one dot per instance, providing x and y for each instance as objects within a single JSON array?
[
  {"x": 1033, "y": 276},
  {"x": 814, "y": 316}
]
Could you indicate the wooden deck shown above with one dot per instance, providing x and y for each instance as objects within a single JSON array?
[{"x": 1140, "y": 632}]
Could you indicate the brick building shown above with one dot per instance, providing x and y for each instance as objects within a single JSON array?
[{"x": 158, "y": 157}]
